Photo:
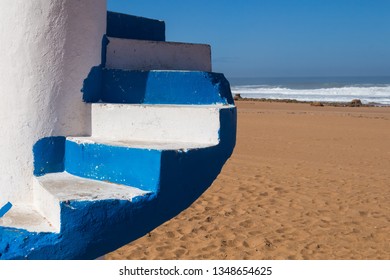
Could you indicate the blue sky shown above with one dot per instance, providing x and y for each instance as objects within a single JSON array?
[{"x": 279, "y": 38}]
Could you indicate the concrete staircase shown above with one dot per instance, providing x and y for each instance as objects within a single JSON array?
[{"x": 162, "y": 128}]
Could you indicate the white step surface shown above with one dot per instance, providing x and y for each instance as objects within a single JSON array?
[
  {"x": 26, "y": 217},
  {"x": 156, "y": 55},
  {"x": 157, "y": 123},
  {"x": 147, "y": 145},
  {"x": 53, "y": 188}
]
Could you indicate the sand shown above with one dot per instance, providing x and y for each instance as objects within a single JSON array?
[{"x": 304, "y": 182}]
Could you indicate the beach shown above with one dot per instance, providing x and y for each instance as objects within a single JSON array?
[{"x": 304, "y": 182}]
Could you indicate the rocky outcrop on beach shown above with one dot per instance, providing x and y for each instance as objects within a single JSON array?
[
  {"x": 356, "y": 103},
  {"x": 237, "y": 97},
  {"x": 317, "y": 104}
]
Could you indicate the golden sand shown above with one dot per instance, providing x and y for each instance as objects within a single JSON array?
[{"x": 304, "y": 182}]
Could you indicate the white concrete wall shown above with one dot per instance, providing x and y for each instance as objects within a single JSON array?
[
  {"x": 47, "y": 49},
  {"x": 155, "y": 55}
]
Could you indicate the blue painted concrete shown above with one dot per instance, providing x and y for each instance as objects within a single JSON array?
[
  {"x": 123, "y": 165},
  {"x": 184, "y": 176},
  {"x": 156, "y": 87},
  {"x": 133, "y": 27},
  {"x": 90, "y": 229},
  {"x": 197, "y": 169},
  {"x": 110, "y": 224},
  {"x": 92, "y": 85},
  {"x": 5, "y": 209},
  {"x": 49, "y": 155},
  {"x": 105, "y": 42}
]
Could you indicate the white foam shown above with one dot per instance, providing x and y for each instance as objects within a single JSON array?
[{"x": 380, "y": 95}]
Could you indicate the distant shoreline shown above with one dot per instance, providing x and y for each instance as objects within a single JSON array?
[
  {"x": 331, "y": 91},
  {"x": 312, "y": 103}
]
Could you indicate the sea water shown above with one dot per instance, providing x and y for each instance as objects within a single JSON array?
[{"x": 374, "y": 90}]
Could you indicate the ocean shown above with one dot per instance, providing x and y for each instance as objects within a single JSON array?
[{"x": 374, "y": 90}]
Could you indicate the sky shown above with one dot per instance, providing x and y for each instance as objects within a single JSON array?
[{"x": 279, "y": 38}]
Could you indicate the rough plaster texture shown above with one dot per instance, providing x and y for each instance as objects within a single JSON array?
[
  {"x": 154, "y": 55},
  {"x": 47, "y": 49}
]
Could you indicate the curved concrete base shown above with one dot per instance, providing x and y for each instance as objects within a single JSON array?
[
  {"x": 86, "y": 193},
  {"x": 105, "y": 224}
]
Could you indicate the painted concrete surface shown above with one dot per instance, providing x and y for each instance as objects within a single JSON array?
[
  {"x": 66, "y": 187},
  {"x": 154, "y": 55},
  {"x": 114, "y": 221},
  {"x": 26, "y": 216},
  {"x": 47, "y": 50},
  {"x": 157, "y": 87},
  {"x": 54, "y": 188},
  {"x": 123, "y": 163},
  {"x": 5, "y": 208},
  {"x": 49, "y": 155},
  {"x": 117, "y": 164},
  {"x": 134, "y": 27},
  {"x": 51, "y": 190},
  {"x": 143, "y": 145},
  {"x": 184, "y": 176},
  {"x": 156, "y": 123},
  {"x": 63, "y": 212}
]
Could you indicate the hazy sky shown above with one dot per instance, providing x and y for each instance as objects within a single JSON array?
[{"x": 278, "y": 38}]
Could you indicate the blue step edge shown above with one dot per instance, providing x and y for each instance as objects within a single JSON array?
[
  {"x": 156, "y": 87},
  {"x": 4, "y": 209},
  {"x": 139, "y": 168},
  {"x": 133, "y": 27}
]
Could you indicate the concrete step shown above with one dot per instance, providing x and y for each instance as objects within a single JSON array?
[
  {"x": 130, "y": 144},
  {"x": 111, "y": 162},
  {"x": 134, "y": 27},
  {"x": 143, "y": 145},
  {"x": 132, "y": 54},
  {"x": 26, "y": 217},
  {"x": 198, "y": 124},
  {"x": 157, "y": 87},
  {"x": 131, "y": 162},
  {"x": 56, "y": 190},
  {"x": 53, "y": 191},
  {"x": 92, "y": 223}
]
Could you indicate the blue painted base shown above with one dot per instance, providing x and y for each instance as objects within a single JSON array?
[
  {"x": 175, "y": 178},
  {"x": 93, "y": 228}
]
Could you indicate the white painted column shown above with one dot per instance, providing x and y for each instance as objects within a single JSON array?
[{"x": 47, "y": 49}]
